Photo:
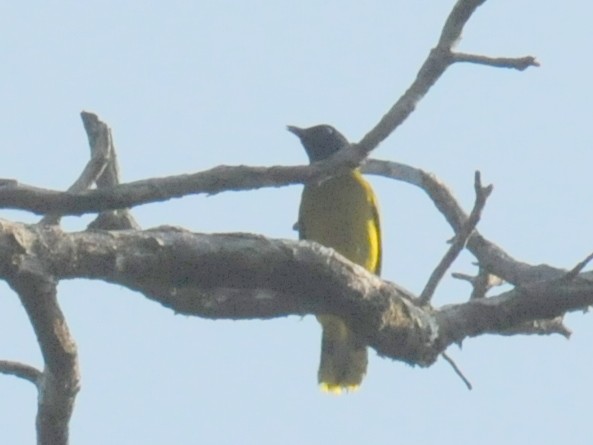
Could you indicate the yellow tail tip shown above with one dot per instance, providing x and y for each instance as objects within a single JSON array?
[{"x": 332, "y": 388}]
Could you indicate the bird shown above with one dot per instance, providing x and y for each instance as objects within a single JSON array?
[{"x": 341, "y": 213}]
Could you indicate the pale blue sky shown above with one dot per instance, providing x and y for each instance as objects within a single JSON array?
[{"x": 189, "y": 85}]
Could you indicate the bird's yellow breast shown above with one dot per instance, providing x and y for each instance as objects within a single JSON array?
[{"x": 341, "y": 213}]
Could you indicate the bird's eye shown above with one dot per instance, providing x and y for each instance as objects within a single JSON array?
[{"x": 329, "y": 130}]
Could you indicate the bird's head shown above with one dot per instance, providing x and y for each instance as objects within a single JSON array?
[{"x": 320, "y": 141}]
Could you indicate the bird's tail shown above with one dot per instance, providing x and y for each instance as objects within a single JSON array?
[{"x": 343, "y": 357}]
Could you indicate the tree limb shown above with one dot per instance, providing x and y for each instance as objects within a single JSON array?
[
  {"x": 491, "y": 257},
  {"x": 438, "y": 60},
  {"x": 481, "y": 283},
  {"x": 517, "y": 63},
  {"x": 212, "y": 181},
  {"x": 247, "y": 276},
  {"x": 459, "y": 241},
  {"x": 21, "y": 370},
  {"x": 101, "y": 144},
  {"x": 101, "y": 169},
  {"x": 37, "y": 289}
]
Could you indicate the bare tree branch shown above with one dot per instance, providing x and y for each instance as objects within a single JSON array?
[
  {"x": 537, "y": 301},
  {"x": 100, "y": 155},
  {"x": 59, "y": 382},
  {"x": 101, "y": 169},
  {"x": 460, "y": 374},
  {"x": 459, "y": 241},
  {"x": 461, "y": 13},
  {"x": 439, "y": 59},
  {"x": 578, "y": 268},
  {"x": 216, "y": 180},
  {"x": 101, "y": 143},
  {"x": 247, "y": 178},
  {"x": 21, "y": 370},
  {"x": 247, "y": 276},
  {"x": 481, "y": 283},
  {"x": 491, "y": 257},
  {"x": 519, "y": 63}
]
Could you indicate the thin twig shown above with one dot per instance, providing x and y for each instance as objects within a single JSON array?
[
  {"x": 517, "y": 63},
  {"x": 571, "y": 275},
  {"x": 481, "y": 283},
  {"x": 459, "y": 241},
  {"x": 457, "y": 370},
  {"x": 20, "y": 370}
]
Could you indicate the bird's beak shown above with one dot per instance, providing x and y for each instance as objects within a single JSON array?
[{"x": 295, "y": 130}]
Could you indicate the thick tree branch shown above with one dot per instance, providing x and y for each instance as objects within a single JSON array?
[
  {"x": 247, "y": 276},
  {"x": 538, "y": 301},
  {"x": 59, "y": 382},
  {"x": 491, "y": 257},
  {"x": 484, "y": 281}
]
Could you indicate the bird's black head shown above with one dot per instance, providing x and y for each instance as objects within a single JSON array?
[{"x": 321, "y": 141}]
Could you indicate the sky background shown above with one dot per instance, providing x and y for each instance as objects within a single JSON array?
[{"x": 186, "y": 86}]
